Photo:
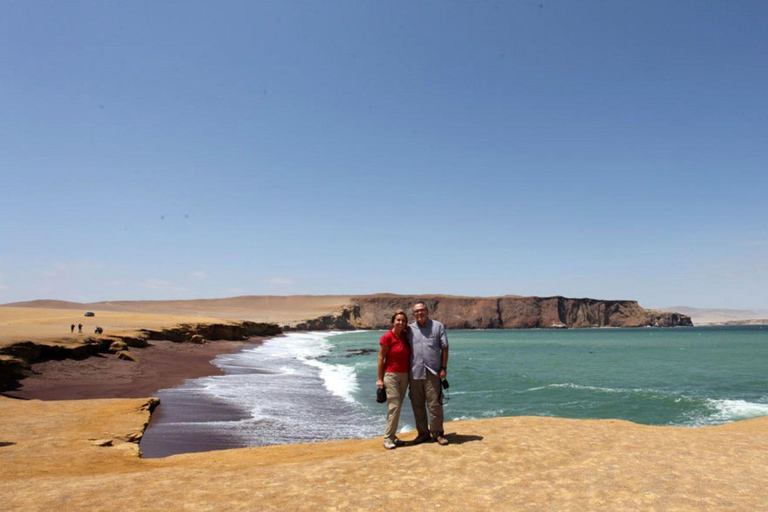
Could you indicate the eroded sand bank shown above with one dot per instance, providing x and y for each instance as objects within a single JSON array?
[{"x": 52, "y": 458}]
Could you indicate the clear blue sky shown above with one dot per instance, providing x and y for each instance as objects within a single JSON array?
[{"x": 187, "y": 149}]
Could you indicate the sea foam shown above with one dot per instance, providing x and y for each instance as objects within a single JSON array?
[
  {"x": 287, "y": 394},
  {"x": 734, "y": 410}
]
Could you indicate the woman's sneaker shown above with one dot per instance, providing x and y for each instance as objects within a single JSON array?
[{"x": 389, "y": 444}]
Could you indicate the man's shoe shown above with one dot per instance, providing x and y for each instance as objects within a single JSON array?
[
  {"x": 389, "y": 444},
  {"x": 421, "y": 438},
  {"x": 442, "y": 441}
]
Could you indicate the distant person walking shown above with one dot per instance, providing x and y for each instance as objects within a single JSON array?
[
  {"x": 394, "y": 356},
  {"x": 429, "y": 364},
  {"x": 72, "y": 328},
  {"x": 80, "y": 328}
]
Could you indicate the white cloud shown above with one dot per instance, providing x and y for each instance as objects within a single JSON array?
[
  {"x": 69, "y": 268},
  {"x": 199, "y": 275},
  {"x": 280, "y": 285},
  {"x": 280, "y": 281},
  {"x": 159, "y": 284}
]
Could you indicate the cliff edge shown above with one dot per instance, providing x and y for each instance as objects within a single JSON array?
[{"x": 83, "y": 455}]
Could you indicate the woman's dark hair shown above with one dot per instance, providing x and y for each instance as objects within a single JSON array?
[{"x": 399, "y": 312}]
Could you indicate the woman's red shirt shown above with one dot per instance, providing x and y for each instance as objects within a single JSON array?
[{"x": 399, "y": 354}]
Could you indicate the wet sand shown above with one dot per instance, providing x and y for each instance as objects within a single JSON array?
[{"x": 178, "y": 425}]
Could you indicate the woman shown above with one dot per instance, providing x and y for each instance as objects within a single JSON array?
[{"x": 394, "y": 360}]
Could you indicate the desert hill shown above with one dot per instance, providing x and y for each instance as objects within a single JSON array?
[{"x": 721, "y": 316}]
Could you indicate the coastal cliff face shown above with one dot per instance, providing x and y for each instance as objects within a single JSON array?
[{"x": 375, "y": 311}]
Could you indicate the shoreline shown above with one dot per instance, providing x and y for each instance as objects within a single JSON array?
[{"x": 162, "y": 365}]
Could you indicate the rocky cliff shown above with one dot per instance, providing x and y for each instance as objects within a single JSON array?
[{"x": 508, "y": 312}]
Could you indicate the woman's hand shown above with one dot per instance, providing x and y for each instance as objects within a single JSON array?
[{"x": 380, "y": 383}]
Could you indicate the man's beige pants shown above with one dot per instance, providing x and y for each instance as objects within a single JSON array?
[
  {"x": 396, "y": 385},
  {"x": 427, "y": 392}
]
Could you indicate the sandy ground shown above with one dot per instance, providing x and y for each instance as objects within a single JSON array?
[
  {"x": 38, "y": 324},
  {"x": 51, "y": 459}
]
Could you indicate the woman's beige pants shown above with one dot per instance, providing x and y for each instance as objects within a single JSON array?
[{"x": 396, "y": 385}]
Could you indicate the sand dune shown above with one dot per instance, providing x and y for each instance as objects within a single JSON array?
[{"x": 50, "y": 459}]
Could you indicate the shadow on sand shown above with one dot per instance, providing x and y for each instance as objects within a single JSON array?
[{"x": 453, "y": 438}]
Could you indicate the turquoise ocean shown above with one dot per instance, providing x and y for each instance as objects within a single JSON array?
[{"x": 318, "y": 386}]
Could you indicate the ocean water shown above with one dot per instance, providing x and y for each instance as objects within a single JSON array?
[{"x": 320, "y": 386}]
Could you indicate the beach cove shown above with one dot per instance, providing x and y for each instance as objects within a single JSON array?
[
  {"x": 317, "y": 386},
  {"x": 86, "y": 454}
]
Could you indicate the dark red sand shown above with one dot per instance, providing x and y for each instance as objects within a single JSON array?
[{"x": 163, "y": 365}]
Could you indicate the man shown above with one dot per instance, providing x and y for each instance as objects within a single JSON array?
[{"x": 429, "y": 364}]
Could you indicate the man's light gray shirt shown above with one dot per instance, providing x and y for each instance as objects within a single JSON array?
[{"x": 427, "y": 344}]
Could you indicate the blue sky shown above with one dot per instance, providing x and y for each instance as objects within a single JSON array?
[{"x": 185, "y": 149}]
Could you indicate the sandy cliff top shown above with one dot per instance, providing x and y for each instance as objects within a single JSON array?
[{"x": 50, "y": 458}]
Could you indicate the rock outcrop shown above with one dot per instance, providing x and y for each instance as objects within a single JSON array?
[
  {"x": 508, "y": 312},
  {"x": 223, "y": 331}
]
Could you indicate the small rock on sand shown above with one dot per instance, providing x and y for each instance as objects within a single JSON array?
[{"x": 124, "y": 354}]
